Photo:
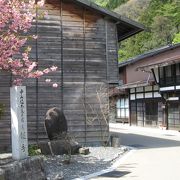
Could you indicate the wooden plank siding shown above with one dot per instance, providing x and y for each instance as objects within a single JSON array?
[
  {"x": 84, "y": 47},
  {"x": 112, "y": 48},
  {"x": 5, "y": 121}
]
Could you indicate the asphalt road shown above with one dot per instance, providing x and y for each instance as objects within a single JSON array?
[{"x": 157, "y": 156}]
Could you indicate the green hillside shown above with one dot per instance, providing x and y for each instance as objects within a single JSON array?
[
  {"x": 110, "y": 4},
  {"x": 160, "y": 17}
]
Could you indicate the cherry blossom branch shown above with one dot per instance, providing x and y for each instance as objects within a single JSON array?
[{"x": 16, "y": 18}]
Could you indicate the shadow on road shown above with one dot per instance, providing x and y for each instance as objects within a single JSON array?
[
  {"x": 145, "y": 142},
  {"x": 119, "y": 173},
  {"x": 115, "y": 174}
]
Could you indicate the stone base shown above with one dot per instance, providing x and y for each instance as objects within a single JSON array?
[
  {"x": 84, "y": 151},
  {"x": 59, "y": 147},
  {"x": 115, "y": 141},
  {"x": 31, "y": 168}
]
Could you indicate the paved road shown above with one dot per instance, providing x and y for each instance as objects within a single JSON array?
[{"x": 157, "y": 156}]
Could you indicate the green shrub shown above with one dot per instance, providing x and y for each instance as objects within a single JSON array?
[{"x": 34, "y": 150}]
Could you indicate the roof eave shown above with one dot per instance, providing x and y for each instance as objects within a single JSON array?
[
  {"x": 148, "y": 55},
  {"x": 131, "y": 33},
  {"x": 166, "y": 62}
]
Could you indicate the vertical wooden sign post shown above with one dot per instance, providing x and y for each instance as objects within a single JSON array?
[{"x": 19, "y": 122}]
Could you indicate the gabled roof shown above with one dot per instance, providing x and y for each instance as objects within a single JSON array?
[
  {"x": 125, "y": 26},
  {"x": 149, "y": 54}
]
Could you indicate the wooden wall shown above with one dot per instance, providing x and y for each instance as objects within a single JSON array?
[
  {"x": 5, "y": 120},
  {"x": 112, "y": 52},
  {"x": 84, "y": 47}
]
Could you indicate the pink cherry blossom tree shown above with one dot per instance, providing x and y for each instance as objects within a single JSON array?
[{"x": 16, "y": 18}]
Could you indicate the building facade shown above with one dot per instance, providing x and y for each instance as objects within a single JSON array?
[
  {"x": 80, "y": 38},
  {"x": 152, "y": 83}
]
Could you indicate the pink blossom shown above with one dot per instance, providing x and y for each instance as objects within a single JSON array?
[
  {"x": 55, "y": 85},
  {"x": 46, "y": 71},
  {"x": 16, "y": 17},
  {"x": 53, "y": 68},
  {"x": 32, "y": 66},
  {"x": 17, "y": 82},
  {"x": 48, "y": 80},
  {"x": 34, "y": 36}
]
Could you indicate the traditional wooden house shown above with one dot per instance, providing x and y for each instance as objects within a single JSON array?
[
  {"x": 152, "y": 89},
  {"x": 80, "y": 38}
]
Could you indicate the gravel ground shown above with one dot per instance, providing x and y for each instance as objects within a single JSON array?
[{"x": 100, "y": 158}]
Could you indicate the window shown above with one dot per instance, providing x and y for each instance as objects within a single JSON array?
[
  {"x": 178, "y": 69},
  {"x": 168, "y": 75},
  {"x": 122, "y": 107},
  {"x": 161, "y": 72},
  {"x": 168, "y": 71},
  {"x": 133, "y": 112},
  {"x": 140, "y": 112},
  {"x": 151, "y": 112},
  {"x": 162, "y": 76},
  {"x": 178, "y": 74},
  {"x": 174, "y": 116}
]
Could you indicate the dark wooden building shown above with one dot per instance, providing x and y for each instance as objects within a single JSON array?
[
  {"x": 150, "y": 101},
  {"x": 80, "y": 38}
]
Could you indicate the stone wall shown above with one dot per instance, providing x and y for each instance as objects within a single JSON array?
[{"x": 28, "y": 169}]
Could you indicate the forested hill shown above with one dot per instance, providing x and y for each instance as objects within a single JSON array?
[{"x": 160, "y": 17}]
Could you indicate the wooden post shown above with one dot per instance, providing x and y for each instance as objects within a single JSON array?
[
  {"x": 19, "y": 122},
  {"x": 166, "y": 116}
]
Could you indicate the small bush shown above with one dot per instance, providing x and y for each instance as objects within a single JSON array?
[{"x": 34, "y": 150}]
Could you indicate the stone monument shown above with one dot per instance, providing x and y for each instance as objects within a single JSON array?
[
  {"x": 60, "y": 141},
  {"x": 55, "y": 123},
  {"x": 19, "y": 122}
]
